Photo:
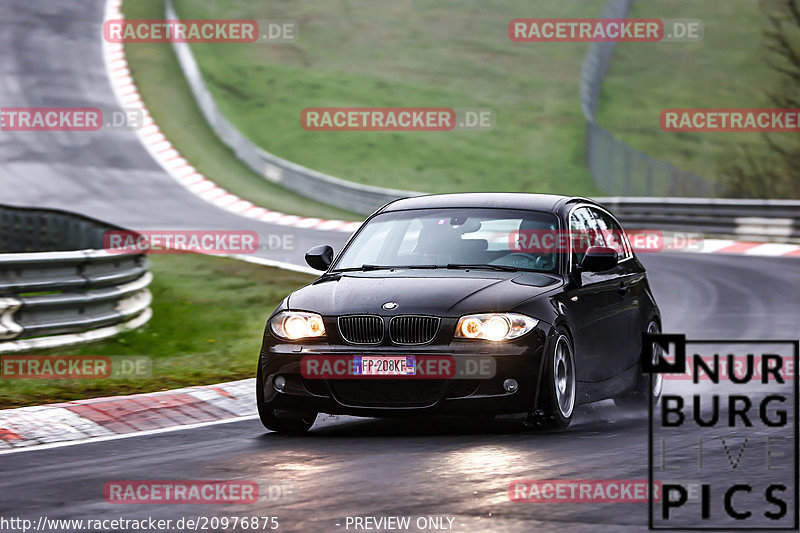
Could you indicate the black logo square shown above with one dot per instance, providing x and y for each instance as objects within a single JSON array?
[{"x": 670, "y": 343}]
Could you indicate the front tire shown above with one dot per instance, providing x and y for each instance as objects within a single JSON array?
[
  {"x": 559, "y": 387},
  {"x": 286, "y": 423},
  {"x": 644, "y": 390}
]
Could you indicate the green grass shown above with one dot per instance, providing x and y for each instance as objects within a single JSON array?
[
  {"x": 457, "y": 54},
  {"x": 412, "y": 53},
  {"x": 208, "y": 319},
  {"x": 726, "y": 69},
  {"x": 169, "y": 99}
]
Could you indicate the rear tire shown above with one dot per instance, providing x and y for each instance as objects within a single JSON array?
[
  {"x": 295, "y": 423},
  {"x": 558, "y": 393},
  {"x": 638, "y": 397}
]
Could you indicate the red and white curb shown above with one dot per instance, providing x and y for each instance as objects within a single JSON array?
[
  {"x": 732, "y": 247},
  {"x": 112, "y": 417},
  {"x": 167, "y": 156}
]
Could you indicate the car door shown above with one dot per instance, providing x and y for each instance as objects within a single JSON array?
[
  {"x": 597, "y": 305},
  {"x": 627, "y": 324}
]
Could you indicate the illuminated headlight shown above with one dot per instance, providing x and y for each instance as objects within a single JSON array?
[
  {"x": 494, "y": 326},
  {"x": 294, "y": 325}
]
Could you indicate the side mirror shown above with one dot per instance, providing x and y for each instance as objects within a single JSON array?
[
  {"x": 599, "y": 259},
  {"x": 320, "y": 257}
]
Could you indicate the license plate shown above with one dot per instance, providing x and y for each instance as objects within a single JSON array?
[{"x": 365, "y": 365}]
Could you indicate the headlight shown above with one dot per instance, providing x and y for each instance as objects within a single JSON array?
[
  {"x": 494, "y": 326},
  {"x": 294, "y": 325}
]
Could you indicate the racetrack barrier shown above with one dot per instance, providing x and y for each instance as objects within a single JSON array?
[
  {"x": 58, "y": 286},
  {"x": 757, "y": 220}
]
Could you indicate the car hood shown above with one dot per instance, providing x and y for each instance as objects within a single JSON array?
[{"x": 446, "y": 293}]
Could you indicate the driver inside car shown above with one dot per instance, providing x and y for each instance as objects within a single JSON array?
[{"x": 537, "y": 251}]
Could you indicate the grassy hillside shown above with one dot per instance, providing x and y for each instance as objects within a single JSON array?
[
  {"x": 457, "y": 54},
  {"x": 412, "y": 53},
  {"x": 726, "y": 69}
]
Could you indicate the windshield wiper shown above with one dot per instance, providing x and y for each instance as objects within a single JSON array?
[
  {"x": 366, "y": 268},
  {"x": 450, "y": 266},
  {"x": 503, "y": 268}
]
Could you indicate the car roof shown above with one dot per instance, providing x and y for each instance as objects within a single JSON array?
[{"x": 500, "y": 200}]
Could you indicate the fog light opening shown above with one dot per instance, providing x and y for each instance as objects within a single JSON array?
[
  {"x": 510, "y": 385},
  {"x": 280, "y": 383}
]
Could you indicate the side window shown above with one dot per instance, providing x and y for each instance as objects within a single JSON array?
[
  {"x": 612, "y": 233},
  {"x": 584, "y": 233}
]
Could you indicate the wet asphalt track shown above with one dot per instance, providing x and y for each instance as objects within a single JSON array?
[
  {"x": 462, "y": 469},
  {"x": 345, "y": 466}
]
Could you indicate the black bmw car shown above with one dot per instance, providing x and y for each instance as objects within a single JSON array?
[{"x": 474, "y": 304}]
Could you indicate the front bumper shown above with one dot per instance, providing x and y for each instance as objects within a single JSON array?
[{"x": 379, "y": 397}]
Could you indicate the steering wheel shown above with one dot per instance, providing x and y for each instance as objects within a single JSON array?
[{"x": 523, "y": 260}]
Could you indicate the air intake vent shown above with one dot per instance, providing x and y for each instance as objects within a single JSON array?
[
  {"x": 413, "y": 329},
  {"x": 387, "y": 392},
  {"x": 361, "y": 329}
]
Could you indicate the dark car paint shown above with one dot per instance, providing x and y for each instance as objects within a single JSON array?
[
  {"x": 441, "y": 292},
  {"x": 621, "y": 296}
]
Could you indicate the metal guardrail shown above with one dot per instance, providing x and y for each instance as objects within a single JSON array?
[
  {"x": 59, "y": 287},
  {"x": 363, "y": 199},
  {"x": 758, "y": 220},
  {"x": 617, "y": 168}
]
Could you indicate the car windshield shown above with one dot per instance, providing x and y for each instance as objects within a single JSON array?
[{"x": 450, "y": 238}]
